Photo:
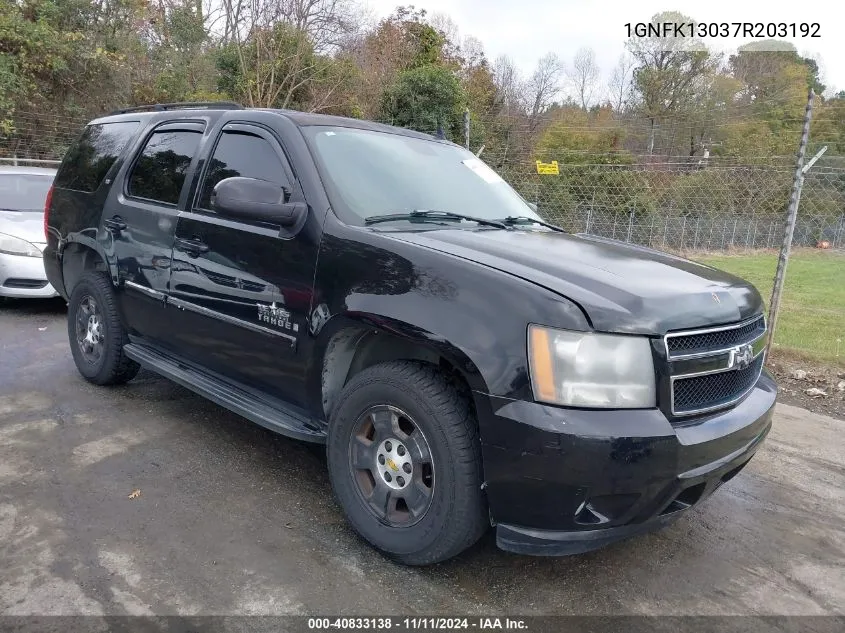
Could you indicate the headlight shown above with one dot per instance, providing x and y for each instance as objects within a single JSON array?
[
  {"x": 16, "y": 246},
  {"x": 583, "y": 369}
]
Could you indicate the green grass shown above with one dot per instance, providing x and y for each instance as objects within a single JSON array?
[{"x": 811, "y": 322}]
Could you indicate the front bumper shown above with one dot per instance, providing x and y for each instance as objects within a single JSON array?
[
  {"x": 24, "y": 277},
  {"x": 564, "y": 481}
]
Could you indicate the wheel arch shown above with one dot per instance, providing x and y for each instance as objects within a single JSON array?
[
  {"x": 78, "y": 258},
  {"x": 347, "y": 345}
]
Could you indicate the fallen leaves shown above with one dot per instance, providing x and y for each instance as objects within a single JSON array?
[{"x": 135, "y": 494}]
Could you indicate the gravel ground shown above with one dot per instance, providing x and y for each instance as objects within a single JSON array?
[
  {"x": 809, "y": 385},
  {"x": 231, "y": 519}
]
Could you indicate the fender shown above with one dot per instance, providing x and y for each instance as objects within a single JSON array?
[
  {"x": 405, "y": 341},
  {"x": 88, "y": 243},
  {"x": 472, "y": 315}
]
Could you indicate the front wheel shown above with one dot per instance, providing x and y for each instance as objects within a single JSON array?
[{"x": 405, "y": 463}]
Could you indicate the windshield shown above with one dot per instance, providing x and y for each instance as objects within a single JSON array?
[
  {"x": 24, "y": 192},
  {"x": 371, "y": 174}
]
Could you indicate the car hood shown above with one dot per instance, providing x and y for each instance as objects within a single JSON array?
[
  {"x": 27, "y": 225},
  {"x": 621, "y": 287}
]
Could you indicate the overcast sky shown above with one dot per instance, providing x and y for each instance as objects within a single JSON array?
[{"x": 527, "y": 29}]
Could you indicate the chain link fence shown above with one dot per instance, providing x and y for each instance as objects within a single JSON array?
[
  {"x": 676, "y": 203},
  {"x": 705, "y": 207},
  {"x": 671, "y": 206}
]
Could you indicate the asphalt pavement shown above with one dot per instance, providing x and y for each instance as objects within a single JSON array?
[{"x": 232, "y": 519}]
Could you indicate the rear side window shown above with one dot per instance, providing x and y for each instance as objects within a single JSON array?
[
  {"x": 90, "y": 158},
  {"x": 159, "y": 173},
  {"x": 240, "y": 154}
]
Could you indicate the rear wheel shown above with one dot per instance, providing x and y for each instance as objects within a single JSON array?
[
  {"x": 96, "y": 333},
  {"x": 405, "y": 463}
]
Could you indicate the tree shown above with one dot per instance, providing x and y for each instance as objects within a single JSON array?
[
  {"x": 583, "y": 76},
  {"x": 543, "y": 87},
  {"x": 425, "y": 98},
  {"x": 448, "y": 29},
  {"x": 508, "y": 83},
  {"x": 60, "y": 60},
  {"x": 280, "y": 48},
  {"x": 620, "y": 82},
  {"x": 577, "y": 136},
  {"x": 399, "y": 42},
  {"x": 775, "y": 79},
  {"x": 270, "y": 68},
  {"x": 669, "y": 71},
  {"x": 171, "y": 64},
  {"x": 828, "y": 126}
]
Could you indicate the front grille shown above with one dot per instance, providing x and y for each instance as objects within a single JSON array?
[
  {"x": 712, "y": 391},
  {"x": 26, "y": 284},
  {"x": 715, "y": 339},
  {"x": 714, "y": 368}
]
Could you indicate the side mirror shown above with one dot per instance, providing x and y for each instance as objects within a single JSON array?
[
  {"x": 257, "y": 200},
  {"x": 533, "y": 206}
]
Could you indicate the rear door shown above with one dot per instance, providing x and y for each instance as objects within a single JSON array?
[
  {"x": 141, "y": 217},
  {"x": 245, "y": 287}
]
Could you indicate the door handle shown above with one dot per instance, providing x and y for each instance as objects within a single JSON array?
[
  {"x": 114, "y": 224},
  {"x": 193, "y": 248}
]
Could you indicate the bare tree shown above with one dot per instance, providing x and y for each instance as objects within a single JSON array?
[
  {"x": 584, "y": 75},
  {"x": 620, "y": 81},
  {"x": 508, "y": 83},
  {"x": 279, "y": 43},
  {"x": 327, "y": 22},
  {"x": 543, "y": 87},
  {"x": 472, "y": 51},
  {"x": 446, "y": 25}
]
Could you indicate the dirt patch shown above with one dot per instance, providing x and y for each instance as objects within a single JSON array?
[{"x": 809, "y": 385}]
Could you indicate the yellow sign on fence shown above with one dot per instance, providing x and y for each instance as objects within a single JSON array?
[{"x": 548, "y": 169}]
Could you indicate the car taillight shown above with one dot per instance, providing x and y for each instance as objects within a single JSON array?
[{"x": 47, "y": 213}]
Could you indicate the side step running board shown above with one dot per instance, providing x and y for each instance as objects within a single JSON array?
[{"x": 271, "y": 414}]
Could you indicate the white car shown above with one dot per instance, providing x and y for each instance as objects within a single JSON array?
[{"x": 23, "y": 191}]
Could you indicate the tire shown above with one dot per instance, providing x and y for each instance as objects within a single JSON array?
[
  {"x": 94, "y": 296},
  {"x": 456, "y": 514}
]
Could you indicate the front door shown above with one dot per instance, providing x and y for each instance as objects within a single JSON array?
[
  {"x": 141, "y": 222},
  {"x": 244, "y": 288}
]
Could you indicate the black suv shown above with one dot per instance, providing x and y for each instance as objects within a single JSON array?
[{"x": 388, "y": 294}]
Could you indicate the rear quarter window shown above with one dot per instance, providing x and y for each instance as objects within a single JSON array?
[
  {"x": 88, "y": 160},
  {"x": 159, "y": 173}
]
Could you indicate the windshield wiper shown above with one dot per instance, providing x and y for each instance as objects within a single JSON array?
[
  {"x": 513, "y": 220},
  {"x": 421, "y": 215}
]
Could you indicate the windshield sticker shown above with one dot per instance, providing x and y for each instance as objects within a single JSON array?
[{"x": 482, "y": 170}]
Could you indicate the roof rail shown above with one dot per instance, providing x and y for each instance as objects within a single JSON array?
[{"x": 185, "y": 105}]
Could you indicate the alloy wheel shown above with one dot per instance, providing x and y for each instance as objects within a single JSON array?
[
  {"x": 90, "y": 331},
  {"x": 391, "y": 464}
]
